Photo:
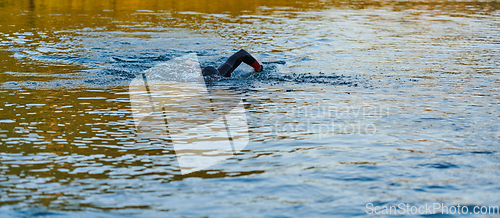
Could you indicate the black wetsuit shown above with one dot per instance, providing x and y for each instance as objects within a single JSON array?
[{"x": 232, "y": 63}]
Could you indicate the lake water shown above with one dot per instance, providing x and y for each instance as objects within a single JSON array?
[{"x": 380, "y": 102}]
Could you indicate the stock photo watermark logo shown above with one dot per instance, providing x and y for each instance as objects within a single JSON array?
[{"x": 205, "y": 124}]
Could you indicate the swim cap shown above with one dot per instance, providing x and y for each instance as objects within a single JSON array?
[{"x": 210, "y": 71}]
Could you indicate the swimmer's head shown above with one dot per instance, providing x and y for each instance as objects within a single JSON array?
[{"x": 210, "y": 71}]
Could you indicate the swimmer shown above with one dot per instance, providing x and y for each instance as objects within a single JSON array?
[{"x": 232, "y": 63}]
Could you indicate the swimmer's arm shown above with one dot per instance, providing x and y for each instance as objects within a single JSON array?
[{"x": 190, "y": 63}]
